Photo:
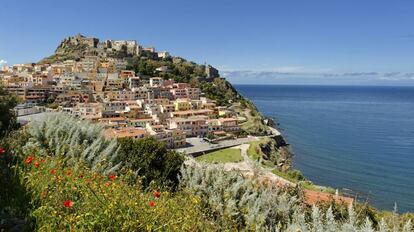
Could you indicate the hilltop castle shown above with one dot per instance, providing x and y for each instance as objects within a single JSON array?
[{"x": 102, "y": 48}]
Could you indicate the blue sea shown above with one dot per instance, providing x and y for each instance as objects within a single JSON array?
[{"x": 357, "y": 138}]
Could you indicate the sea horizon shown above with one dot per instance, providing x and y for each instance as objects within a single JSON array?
[{"x": 327, "y": 85}]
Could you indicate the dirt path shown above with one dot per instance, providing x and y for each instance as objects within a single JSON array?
[{"x": 251, "y": 168}]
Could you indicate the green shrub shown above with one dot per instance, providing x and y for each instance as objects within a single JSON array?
[
  {"x": 76, "y": 140},
  {"x": 151, "y": 160},
  {"x": 82, "y": 142},
  {"x": 7, "y": 116},
  {"x": 236, "y": 202},
  {"x": 14, "y": 200}
]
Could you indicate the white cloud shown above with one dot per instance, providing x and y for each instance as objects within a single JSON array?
[
  {"x": 3, "y": 62},
  {"x": 289, "y": 69},
  {"x": 277, "y": 70},
  {"x": 298, "y": 70},
  {"x": 397, "y": 76},
  {"x": 300, "y": 74}
]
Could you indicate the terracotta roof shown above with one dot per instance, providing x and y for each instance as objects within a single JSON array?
[
  {"x": 125, "y": 132},
  {"x": 141, "y": 120},
  {"x": 157, "y": 126},
  {"x": 227, "y": 119},
  {"x": 113, "y": 119},
  {"x": 219, "y": 132},
  {"x": 193, "y": 111},
  {"x": 313, "y": 197}
]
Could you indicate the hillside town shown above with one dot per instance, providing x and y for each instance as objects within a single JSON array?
[{"x": 99, "y": 88}]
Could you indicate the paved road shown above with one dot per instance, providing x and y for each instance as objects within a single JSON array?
[
  {"x": 34, "y": 117},
  {"x": 198, "y": 145}
]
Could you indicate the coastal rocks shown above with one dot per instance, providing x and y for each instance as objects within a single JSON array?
[
  {"x": 276, "y": 151},
  {"x": 269, "y": 122}
]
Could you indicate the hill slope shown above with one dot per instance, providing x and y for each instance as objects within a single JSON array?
[{"x": 146, "y": 62}]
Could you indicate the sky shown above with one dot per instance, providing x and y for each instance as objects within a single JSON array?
[{"x": 350, "y": 42}]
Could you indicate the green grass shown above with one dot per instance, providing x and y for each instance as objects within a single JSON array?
[
  {"x": 294, "y": 176},
  {"x": 284, "y": 175},
  {"x": 304, "y": 183},
  {"x": 228, "y": 155},
  {"x": 254, "y": 151},
  {"x": 310, "y": 186}
]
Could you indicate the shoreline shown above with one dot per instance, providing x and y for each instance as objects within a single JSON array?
[
  {"x": 343, "y": 192},
  {"x": 288, "y": 146}
]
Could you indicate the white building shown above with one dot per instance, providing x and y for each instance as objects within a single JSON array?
[
  {"x": 156, "y": 81},
  {"x": 163, "y": 54}
]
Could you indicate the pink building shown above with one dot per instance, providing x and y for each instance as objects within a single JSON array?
[
  {"x": 229, "y": 124},
  {"x": 179, "y": 93},
  {"x": 193, "y": 93},
  {"x": 192, "y": 126}
]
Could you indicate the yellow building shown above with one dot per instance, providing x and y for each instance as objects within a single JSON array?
[
  {"x": 223, "y": 111},
  {"x": 182, "y": 105},
  {"x": 178, "y": 138},
  {"x": 114, "y": 84}
]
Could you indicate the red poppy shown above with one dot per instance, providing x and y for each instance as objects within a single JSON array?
[
  {"x": 37, "y": 164},
  {"x": 157, "y": 194},
  {"x": 53, "y": 171},
  {"x": 112, "y": 177},
  {"x": 2, "y": 150},
  {"x": 151, "y": 203},
  {"x": 69, "y": 173},
  {"x": 29, "y": 159},
  {"x": 107, "y": 183},
  {"x": 68, "y": 203}
]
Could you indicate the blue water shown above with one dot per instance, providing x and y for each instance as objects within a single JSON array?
[{"x": 359, "y": 138}]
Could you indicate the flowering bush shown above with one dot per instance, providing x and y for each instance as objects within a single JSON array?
[{"x": 78, "y": 199}]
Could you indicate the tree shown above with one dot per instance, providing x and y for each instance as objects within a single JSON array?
[
  {"x": 7, "y": 116},
  {"x": 151, "y": 160},
  {"x": 51, "y": 99}
]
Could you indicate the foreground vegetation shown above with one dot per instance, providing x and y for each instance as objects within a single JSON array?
[
  {"x": 60, "y": 174},
  {"x": 7, "y": 119},
  {"x": 78, "y": 199},
  {"x": 49, "y": 193}
]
